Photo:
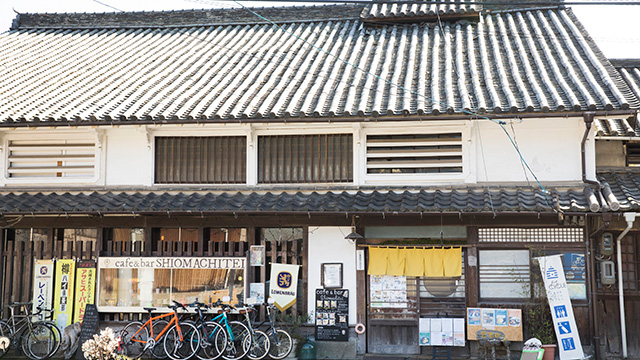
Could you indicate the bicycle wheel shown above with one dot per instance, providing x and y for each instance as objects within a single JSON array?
[
  {"x": 180, "y": 347},
  {"x": 281, "y": 344},
  {"x": 133, "y": 339},
  {"x": 259, "y": 347},
  {"x": 213, "y": 340},
  {"x": 58, "y": 335},
  {"x": 38, "y": 341},
  {"x": 238, "y": 342},
  {"x": 158, "y": 349},
  {"x": 6, "y": 335}
]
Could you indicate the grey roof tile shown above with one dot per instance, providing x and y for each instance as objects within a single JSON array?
[
  {"x": 525, "y": 61},
  {"x": 616, "y": 127},
  {"x": 455, "y": 200},
  {"x": 625, "y": 186},
  {"x": 403, "y": 12}
]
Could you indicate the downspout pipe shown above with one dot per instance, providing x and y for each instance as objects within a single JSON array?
[
  {"x": 588, "y": 122},
  {"x": 630, "y": 217}
]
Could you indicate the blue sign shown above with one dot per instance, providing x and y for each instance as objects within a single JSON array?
[
  {"x": 284, "y": 279},
  {"x": 561, "y": 311},
  {"x": 552, "y": 273},
  {"x": 568, "y": 344},
  {"x": 564, "y": 327}
]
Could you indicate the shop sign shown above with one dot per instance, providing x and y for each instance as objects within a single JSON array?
[
  {"x": 85, "y": 288},
  {"x": 283, "y": 285},
  {"x": 172, "y": 262},
  {"x": 564, "y": 321},
  {"x": 332, "y": 315},
  {"x": 63, "y": 298},
  {"x": 42, "y": 286}
]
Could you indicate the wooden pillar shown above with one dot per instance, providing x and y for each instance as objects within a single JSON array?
[
  {"x": 305, "y": 270},
  {"x": 361, "y": 296},
  {"x": 471, "y": 268}
]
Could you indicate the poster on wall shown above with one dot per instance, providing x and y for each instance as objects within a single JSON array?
[
  {"x": 505, "y": 321},
  {"x": 42, "y": 286},
  {"x": 256, "y": 292},
  {"x": 85, "y": 288},
  {"x": 256, "y": 255},
  {"x": 63, "y": 294},
  {"x": 284, "y": 285},
  {"x": 388, "y": 291},
  {"x": 332, "y": 315},
  {"x": 564, "y": 321}
]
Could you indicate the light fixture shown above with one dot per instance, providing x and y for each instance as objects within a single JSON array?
[{"x": 353, "y": 235}]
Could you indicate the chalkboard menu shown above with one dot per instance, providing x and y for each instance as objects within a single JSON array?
[
  {"x": 332, "y": 315},
  {"x": 90, "y": 324}
]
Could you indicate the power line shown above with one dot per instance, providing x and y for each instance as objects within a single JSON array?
[{"x": 107, "y": 5}]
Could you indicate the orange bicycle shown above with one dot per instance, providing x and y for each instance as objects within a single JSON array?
[{"x": 180, "y": 339}]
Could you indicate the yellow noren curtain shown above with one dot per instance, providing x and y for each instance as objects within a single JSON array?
[
  {"x": 433, "y": 263},
  {"x": 396, "y": 261},
  {"x": 377, "y": 261},
  {"x": 414, "y": 262},
  {"x": 452, "y": 262}
]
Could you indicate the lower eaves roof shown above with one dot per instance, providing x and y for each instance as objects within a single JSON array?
[
  {"x": 625, "y": 187},
  {"x": 418, "y": 201},
  {"x": 324, "y": 64}
]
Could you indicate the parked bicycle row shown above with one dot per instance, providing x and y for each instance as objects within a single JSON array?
[
  {"x": 205, "y": 335},
  {"x": 38, "y": 340}
]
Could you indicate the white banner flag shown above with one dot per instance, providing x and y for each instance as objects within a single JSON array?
[
  {"x": 42, "y": 286},
  {"x": 283, "y": 285},
  {"x": 558, "y": 295}
]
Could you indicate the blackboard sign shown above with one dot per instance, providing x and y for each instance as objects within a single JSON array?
[
  {"x": 332, "y": 315},
  {"x": 90, "y": 324}
]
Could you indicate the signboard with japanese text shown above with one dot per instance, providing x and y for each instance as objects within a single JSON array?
[
  {"x": 564, "y": 322},
  {"x": 284, "y": 285},
  {"x": 63, "y": 294},
  {"x": 42, "y": 286},
  {"x": 85, "y": 288},
  {"x": 332, "y": 315}
]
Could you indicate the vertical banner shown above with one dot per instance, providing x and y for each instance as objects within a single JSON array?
[
  {"x": 63, "y": 295},
  {"x": 42, "y": 286},
  {"x": 283, "y": 285},
  {"x": 85, "y": 288},
  {"x": 558, "y": 295}
]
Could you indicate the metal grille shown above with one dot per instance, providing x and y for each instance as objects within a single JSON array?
[
  {"x": 201, "y": 160},
  {"x": 324, "y": 158},
  {"x": 422, "y": 153},
  {"x": 51, "y": 159},
  {"x": 531, "y": 234}
]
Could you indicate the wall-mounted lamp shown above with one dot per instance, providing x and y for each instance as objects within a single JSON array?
[{"x": 353, "y": 235}]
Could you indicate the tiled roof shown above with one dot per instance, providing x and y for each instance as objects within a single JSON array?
[
  {"x": 630, "y": 71},
  {"x": 522, "y": 61},
  {"x": 446, "y": 9},
  {"x": 460, "y": 200},
  {"x": 616, "y": 127},
  {"x": 624, "y": 186}
]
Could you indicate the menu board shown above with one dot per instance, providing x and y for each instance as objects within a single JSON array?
[
  {"x": 388, "y": 291},
  {"x": 506, "y": 321},
  {"x": 332, "y": 315},
  {"x": 441, "y": 332},
  {"x": 90, "y": 325}
]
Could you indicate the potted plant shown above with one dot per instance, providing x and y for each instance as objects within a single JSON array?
[{"x": 537, "y": 315}]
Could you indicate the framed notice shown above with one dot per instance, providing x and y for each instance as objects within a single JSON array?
[
  {"x": 332, "y": 276},
  {"x": 256, "y": 255}
]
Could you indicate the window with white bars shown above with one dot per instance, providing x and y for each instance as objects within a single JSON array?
[
  {"x": 43, "y": 159},
  {"x": 531, "y": 235},
  {"x": 414, "y": 153}
]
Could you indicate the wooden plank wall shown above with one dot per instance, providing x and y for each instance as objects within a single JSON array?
[{"x": 609, "y": 327}]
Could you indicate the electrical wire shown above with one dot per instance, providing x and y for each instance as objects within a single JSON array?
[{"x": 107, "y": 5}]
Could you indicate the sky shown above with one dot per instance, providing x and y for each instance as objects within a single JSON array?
[{"x": 613, "y": 27}]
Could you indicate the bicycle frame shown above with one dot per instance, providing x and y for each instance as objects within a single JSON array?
[
  {"x": 149, "y": 324},
  {"x": 225, "y": 322}
]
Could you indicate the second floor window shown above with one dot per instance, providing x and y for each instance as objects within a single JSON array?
[
  {"x": 201, "y": 160},
  {"x": 326, "y": 158}
]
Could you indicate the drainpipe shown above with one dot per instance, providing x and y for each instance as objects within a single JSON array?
[
  {"x": 588, "y": 121},
  {"x": 630, "y": 218}
]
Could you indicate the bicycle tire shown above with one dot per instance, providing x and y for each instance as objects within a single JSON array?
[
  {"x": 281, "y": 344},
  {"x": 238, "y": 346},
  {"x": 179, "y": 349},
  {"x": 58, "y": 336},
  {"x": 133, "y": 339},
  {"x": 259, "y": 348},
  {"x": 157, "y": 351},
  {"x": 38, "y": 341},
  {"x": 5, "y": 331},
  {"x": 213, "y": 340}
]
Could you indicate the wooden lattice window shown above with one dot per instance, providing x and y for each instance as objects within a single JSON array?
[
  {"x": 326, "y": 158},
  {"x": 414, "y": 154},
  {"x": 201, "y": 160},
  {"x": 51, "y": 159}
]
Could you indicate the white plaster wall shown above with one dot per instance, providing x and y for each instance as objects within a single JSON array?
[
  {"x": 551, "y": 147},
  {"x": 129, "y": 159},
  {"x": 328, "y": 245}
]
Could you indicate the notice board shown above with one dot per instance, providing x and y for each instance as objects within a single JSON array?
[
  {"x": 332, "y": 315},
  {"x": 506, "y": 321},
  {"x": 90, "y": 326}
]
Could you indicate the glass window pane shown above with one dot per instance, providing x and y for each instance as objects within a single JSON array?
[{"x": 504, "y": 274}]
